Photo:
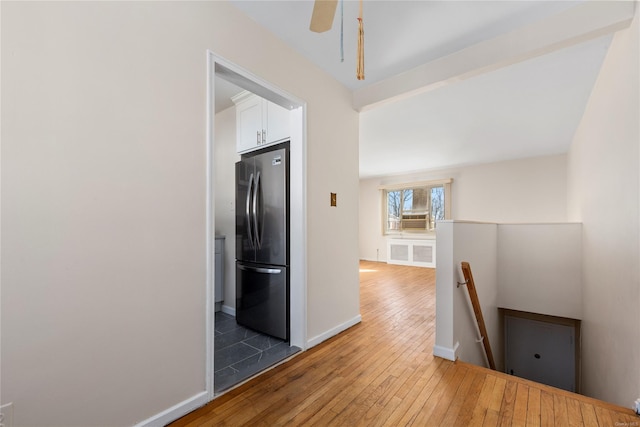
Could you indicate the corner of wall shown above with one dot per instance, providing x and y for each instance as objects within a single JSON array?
[
  {"x": 603, "y": 159},
  {"x": 446, "y": 353}
]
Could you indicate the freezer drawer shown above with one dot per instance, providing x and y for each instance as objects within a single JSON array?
[{"x": 262, "y": 298}]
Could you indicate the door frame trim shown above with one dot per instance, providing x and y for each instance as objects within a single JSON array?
[{"x": 216, "y": 65}]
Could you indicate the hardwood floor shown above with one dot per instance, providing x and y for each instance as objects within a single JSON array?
[{"x": 382, "y": 373}]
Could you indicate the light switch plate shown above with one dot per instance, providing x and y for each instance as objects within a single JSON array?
[{"x": 334, "y": 199}]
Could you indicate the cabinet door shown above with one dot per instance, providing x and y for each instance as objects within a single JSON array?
[
  {"x": 248, "y": 124},
  {"x": 540, "y": 351},
  {"x": 277, "y": 123},
  {"x": 219, "y": 279}
]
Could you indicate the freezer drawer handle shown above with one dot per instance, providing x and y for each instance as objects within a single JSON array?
[{"x": 260, "y": 269}]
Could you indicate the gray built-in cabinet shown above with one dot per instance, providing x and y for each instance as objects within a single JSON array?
[
  {"x": 542, "y": 348},
  {"x": 219, "y": 275}
]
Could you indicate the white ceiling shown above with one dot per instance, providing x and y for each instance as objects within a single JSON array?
[
  {"x": 529, "y": 108},
  {"x": 525, "y": 110},
  {"x": 224, "y": 91}
]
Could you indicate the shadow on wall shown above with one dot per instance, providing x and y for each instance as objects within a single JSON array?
[{"x": 532, "y": 268}]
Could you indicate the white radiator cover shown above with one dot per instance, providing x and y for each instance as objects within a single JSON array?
[{"x": 418, "y": 253}]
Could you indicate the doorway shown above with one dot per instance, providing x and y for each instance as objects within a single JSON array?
[{"x": 222, "y": 322}]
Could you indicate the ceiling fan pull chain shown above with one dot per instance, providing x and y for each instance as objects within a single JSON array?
[{"x": 360, "y": 67}]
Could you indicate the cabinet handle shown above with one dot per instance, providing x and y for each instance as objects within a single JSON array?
[
  {"x": 264, "y": 136},
  {"x": 258, "y": 138}
]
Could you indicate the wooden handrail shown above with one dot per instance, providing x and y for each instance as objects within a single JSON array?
[{"x": 468, "y": 277}]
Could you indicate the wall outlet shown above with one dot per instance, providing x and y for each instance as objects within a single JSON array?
[{"x": 6, "y": 415}]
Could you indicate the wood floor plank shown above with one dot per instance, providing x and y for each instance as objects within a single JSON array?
[
  {"x": 361, "y": 384},
  {"x": 415, "y": 403},
  {"x": 498, "y": 394},
  {"x": 382, "y": 372},
  {"x": 417, "y": 380},
  {"x": 483, "y": 402},
  {"x": 588, "y": 414},
  {"x": 533, "y": 408},
  {"x": 383, "y": 415},
  {"x": 375, "y": 402},
  {"x": 604, "y": 417},
  {"x": 508, "y": 403},
  {"x": 378, "y": 412},
  {"x": 491, "y": 418},
  {"x": 560, "y": 415},
  {"x": 520, "y": 406},
  {"x": 365, "y": 400},
  {"x": 573, "y": 413},
  {"x": 308, "y": 407},
  {"x": 442, "y": 402},
  {"x": 459, "y": 407},
  {"x": 547, "y": 417}
]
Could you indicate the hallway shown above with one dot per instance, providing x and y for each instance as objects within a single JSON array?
[{"x": 382, "y": 373}]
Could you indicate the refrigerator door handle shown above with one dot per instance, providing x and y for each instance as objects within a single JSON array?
[
  {"x": 257, "y": 211},
  {"x": 260, "y": 269},
  {"x": 248, "y": 213}
]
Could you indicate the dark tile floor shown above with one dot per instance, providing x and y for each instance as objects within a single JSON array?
[{"x": 241, "y": 352}]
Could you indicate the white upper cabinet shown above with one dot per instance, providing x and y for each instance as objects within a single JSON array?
[
  {"x": 248, "y": 124},
  {"x": 259, "y": 122},
  {"x": 278, "y": 122}
]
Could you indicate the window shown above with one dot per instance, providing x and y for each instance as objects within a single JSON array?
[{"x": 416, "y": 207}]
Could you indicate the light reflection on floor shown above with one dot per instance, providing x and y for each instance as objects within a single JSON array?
[{"x": 367, "y": 270}]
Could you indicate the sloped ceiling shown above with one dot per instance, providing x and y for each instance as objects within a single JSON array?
[
  {"x": 453, "y": 83},
  {"x": 528, "y": 109}
]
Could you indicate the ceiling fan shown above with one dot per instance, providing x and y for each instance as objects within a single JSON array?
[
  {"x": 322, "y": 20},
  {"x": 322, "y": 16}
]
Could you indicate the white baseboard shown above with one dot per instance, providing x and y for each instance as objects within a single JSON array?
[
  {"x": 179, "y": 410},
  {"x": 333, "y": 331},
  {"x": 445, "y": 352},
  {"x": 373, "y": 260},
  {"x": 228, "y": 310}
]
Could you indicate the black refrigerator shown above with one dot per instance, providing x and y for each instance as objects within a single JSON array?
[{"x": 262, "y": 241}]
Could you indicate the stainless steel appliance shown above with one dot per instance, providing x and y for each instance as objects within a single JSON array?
[{"x": 262, "y": 241}]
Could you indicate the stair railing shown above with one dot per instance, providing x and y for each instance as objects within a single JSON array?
[{"x": 475, "y": 302}]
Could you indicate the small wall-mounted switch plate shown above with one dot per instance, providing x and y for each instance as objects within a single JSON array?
[{"x": 334, "y": 199}]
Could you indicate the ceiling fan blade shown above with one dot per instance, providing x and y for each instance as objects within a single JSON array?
[{"x": 322, "y": 17}]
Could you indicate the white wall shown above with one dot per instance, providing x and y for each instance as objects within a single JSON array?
[
  {"x": 527, "y": 267},
  {"x": 225, "y": 159},
  {"x": 103, "y": 201},
  {"x": 525, "y": 190},
  {"x": 447, "y": 277},
  {"x": 541, "y": 268},
  {"x": 373, "y": 244},
  {"x": 476, "y": 244},
  {"x": 333, "y": 290},
  {"x": 604, "y": 196}
]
